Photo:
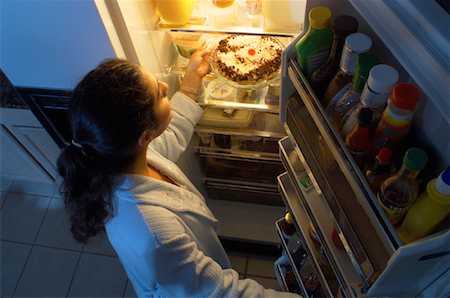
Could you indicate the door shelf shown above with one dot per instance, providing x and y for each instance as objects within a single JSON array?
[
  {"x": 302, "y": 222},
  {"x": 371, "y": 238}
]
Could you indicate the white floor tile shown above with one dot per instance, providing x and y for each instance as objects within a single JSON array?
[
  {"x": 261, "y": 265},
  {"x": 238, "y": 260},
  {"x": 98, "y": 276},
  {"x": 13, "y": 258},
  {"x": 22, "y": 216},
  {"x": 5, "y": 184},
  {"x": 33, "y": 188},
  {"x": 268, "y": 283},
  {"x": 55, "y": 230},
  {"x": 48, "y": 273},
  {"x": 100, "y": 245},
  {"x": 129, "y": 291}
]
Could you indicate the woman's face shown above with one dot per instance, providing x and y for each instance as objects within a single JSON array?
[{"x": 162, "y": 108}]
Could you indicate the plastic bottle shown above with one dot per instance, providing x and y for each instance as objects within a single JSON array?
[
  {"x": 355, "y": 44},
  {"x": 342, "y": 27},
  {"x": 358, "y": 140},
  {"x": 398, "y": 192},
  {"x": 380, "y": 171},
  {"x": 314, "y": 47},
  {"x": 382, "y": 79},
  {"x": 429, "y": 210},
  {"x": 396, "y": 119},
  {"x": 349, "y": 96}
]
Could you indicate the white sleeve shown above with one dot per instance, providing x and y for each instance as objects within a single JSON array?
[
  {"x": 184, "y": 271},
  {"x": 175, "y": 139}
]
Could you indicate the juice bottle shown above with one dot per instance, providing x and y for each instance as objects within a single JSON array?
[
  {"x": 349, "y": 96},
  {"x": 400, "y": 191},
  {"x": 382, "y": 79},
  {"x": 358, "y": 140},
  {"x": 342, "y": 27},
  {"x": 355, "y": 44},
  {"x": 380, "y": 171},
  {"x": 431, "y": 208},
  {"x": 175, "y": 11},
  {"x": 314, "y": 47}
]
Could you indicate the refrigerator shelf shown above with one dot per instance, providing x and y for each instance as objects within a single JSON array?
[
  {"x": 309, "y": 203},
  {"x": 302, "y": 220}
]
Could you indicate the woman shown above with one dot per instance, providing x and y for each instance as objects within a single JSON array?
[{"x": 119, "y": 175}]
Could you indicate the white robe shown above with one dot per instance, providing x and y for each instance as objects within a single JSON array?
[{"x": 164, "y": 234}]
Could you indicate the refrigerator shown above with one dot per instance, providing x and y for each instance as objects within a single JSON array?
[{"x": 288, "y": 156}]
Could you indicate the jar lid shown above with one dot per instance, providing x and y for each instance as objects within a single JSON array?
[
  {"x": 365, "y": 115},
  {"x": 345, "y": 25},
  {"x": 443, "y": 182},
  {"x": 320, "y": 17},
  {"x": 358, "y": 42},
  {"x": 382, "y": 78},
  {"x": 415, "y": 159},
  {"x": 405, "y": 96}
]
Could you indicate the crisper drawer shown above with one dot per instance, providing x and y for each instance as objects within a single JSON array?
[
  {"x": 243, "y": 191},
  {"x": 368, "y": 236}
]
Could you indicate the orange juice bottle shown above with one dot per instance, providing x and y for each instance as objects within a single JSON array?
[{"x": 432, "y": 206}]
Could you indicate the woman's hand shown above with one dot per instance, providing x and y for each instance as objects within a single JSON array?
[{"x": 197, "y": 68}]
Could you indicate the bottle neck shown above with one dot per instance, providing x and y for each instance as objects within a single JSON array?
[
  {"x": 379, "y": 169},
  {"x": 336, "y": 47},
  {"x": 407, "y": 174},
  {"x": 348, "y": 61}
]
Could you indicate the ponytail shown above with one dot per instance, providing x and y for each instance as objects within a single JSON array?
[{"x": 87, "y": 191}]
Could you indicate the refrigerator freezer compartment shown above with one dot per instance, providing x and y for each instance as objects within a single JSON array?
[
  {"x": 238, "y": 147},
  {"x": 262, "y": 125},
  {"x": 311, "y": 204},
  {"x": 252, "y": 171},
  {"x": 243, "y": 191},
  {"x": 328, "y": 281}
]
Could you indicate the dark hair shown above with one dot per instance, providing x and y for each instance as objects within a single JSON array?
[{"x": 110, "y": 108}]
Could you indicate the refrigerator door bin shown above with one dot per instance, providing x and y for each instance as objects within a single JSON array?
[
  {"x": 372, "y": 239},
  {"x": 242, "y": 191},
  {"x": 289, "y": 195}
]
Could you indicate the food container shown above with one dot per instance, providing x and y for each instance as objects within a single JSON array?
[{"x": 217, "y": 118}]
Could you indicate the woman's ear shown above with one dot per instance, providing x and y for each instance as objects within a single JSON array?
[{"x": 145, "y": 138}]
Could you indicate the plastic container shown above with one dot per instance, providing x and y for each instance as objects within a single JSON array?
[
  {"x": 283, "y": 14},
  {"x": 216, "y": 117},
  {"x": 175, "y": 11},
  {"x": 314, "y": 47},
  {"x": 430, "y": 209}
]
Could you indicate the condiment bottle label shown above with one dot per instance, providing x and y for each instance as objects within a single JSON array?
[
  {"x": 348, "y": 60},
  {"x": 315, "y": 61},
  {"x": 372, "y": 99},
  {"x": 395, "y": 214}
]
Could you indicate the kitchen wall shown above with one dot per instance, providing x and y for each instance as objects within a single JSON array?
[{"x": 51, "y": 43}]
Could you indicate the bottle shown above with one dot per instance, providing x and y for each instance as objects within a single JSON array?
[
  {"x": 381, "y": 169},
  {"x": 432, "y": 206},
  {"x": 398, "y": 192},
  {"x": 382, "y": 79},
  {"x": 397, "y": 117},
  {"x": 358, "y": 140},
  {"x": 355, "y": 44},
  {"x": 287, "y": 226},
  {"x": 349, "y": 96},
  {"x": 342, "y": 27},
  {"x": 314, "y": 48}
]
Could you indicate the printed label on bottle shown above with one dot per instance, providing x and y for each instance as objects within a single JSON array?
[
  {"x": 395, "y": 214},
  {"x": 348, "y": 61},
  {"x": 305, "y": 181},
  {"x": 372, "y": 99},
  {"x": 315, "y": 61}
]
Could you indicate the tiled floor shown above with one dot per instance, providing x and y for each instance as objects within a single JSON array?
[{"x": 39, "y": 258}]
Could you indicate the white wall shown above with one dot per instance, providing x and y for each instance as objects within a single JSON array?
[{"x": 51, "y": 43}]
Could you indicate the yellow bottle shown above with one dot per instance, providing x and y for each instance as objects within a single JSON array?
[
  {"x": 175, "y": 11},
  {"x": 432, "y": 206}
]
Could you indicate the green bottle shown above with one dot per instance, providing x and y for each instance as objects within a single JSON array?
[{"x": 314, "y": 47}]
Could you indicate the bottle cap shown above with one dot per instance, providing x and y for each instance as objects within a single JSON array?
[
  {"x": 365, "y": 115},
  {"x": 288, "y": 218},
  {"x": 320, "y": 17},
  {"x": 382, "y": 78},
  {"x": 363, "y": 67},
  {"x": 442, "y": 183},
  {"x": 345, "y": 25},
  {"x": 405, "y": 96},
  {"x": 384, "y": 156},
  {"x": 358, "y": 42},
  {"x": 415, "y": 159}
]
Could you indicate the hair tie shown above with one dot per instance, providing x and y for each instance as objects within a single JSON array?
[{"x": 79, "y": 146}]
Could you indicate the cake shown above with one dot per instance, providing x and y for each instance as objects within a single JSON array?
[{"x": 247, "y": 59}]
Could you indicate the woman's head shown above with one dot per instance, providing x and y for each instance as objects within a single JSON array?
[{"x": 115, "y": 110}]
